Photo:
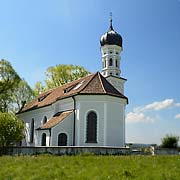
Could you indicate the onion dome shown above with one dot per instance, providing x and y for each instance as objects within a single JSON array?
[{"x": 111, "y": 37}]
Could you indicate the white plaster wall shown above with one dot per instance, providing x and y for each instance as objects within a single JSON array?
[
  {"x": 66, "y": 126},
  {"x": 115, "y": 124},
  {"x": 118, "y": 83},
  {"x": 63, "y": 105},
  {"x": 38, "y": 116},
  {"x": 85, "y": 104},
  {"x": 39, "y": 139},
  {"x": 110, "y": 119}
]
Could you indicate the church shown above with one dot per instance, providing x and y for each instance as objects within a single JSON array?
[{"x": 86, "y": 112}]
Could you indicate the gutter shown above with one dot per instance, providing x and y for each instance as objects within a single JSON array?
[{"x": 74, "y": 127}]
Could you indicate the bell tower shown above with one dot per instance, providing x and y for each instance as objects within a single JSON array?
[{"x": 111, "y": 48}]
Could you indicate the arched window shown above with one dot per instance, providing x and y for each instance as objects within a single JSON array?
[
  {"x": 32, "y": 131},
  {"x": 110, "y": 62},
  {"x": 91, "y": 129},
  {"x": 43, "y": 140},
  {"x": 44, "y": 119},
  {"x": 62, "y": 139}
]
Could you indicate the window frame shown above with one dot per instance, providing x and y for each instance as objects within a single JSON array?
[
  {"x": 66, "y": 138},
  {"x": 42, "y": 139},
  {"x": 87, "y": 138}
]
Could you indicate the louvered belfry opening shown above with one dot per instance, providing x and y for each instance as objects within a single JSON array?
[{"x": 91, "y": 135}]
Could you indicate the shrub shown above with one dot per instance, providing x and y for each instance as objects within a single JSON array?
[
  {"x": 169, "y": 141},
  {"x": 11, "y": 129}
]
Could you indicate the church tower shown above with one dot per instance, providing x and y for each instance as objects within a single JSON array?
[{"x": 111, "y": 47}]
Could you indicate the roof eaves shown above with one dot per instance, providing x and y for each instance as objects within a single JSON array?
[{"x": 117, "y": 77}]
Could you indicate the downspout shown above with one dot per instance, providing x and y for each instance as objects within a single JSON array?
[{"x": 74, "y": 127}]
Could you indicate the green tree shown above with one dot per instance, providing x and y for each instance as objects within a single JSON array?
[
  {"x": 11, "y": 129},
  {"x": 22, "y": 94},
  {"x": 169, "y": 141},
  {"x": 62, "y": 74},
  {"x": 39, "y": 88},
  {"x": 9, "y": 79},
  {"x": 59, "y": 75},
  {"x": 14, "y": 91}
]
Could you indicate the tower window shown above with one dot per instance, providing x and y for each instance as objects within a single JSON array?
[
  {"x": 104, "y": 63},
  {"x": 110, "y": 52},
  {"x": 91, "y": 129},
  {"x": 110, "y": 62},
  {"x": 117, "y": 53},
  {"x": 116, "y": 63}
]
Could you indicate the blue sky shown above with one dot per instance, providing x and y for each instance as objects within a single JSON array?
[{"x": 37, "y": 34}]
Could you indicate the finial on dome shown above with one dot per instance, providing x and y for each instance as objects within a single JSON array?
[{"x": 111, "y": 27}]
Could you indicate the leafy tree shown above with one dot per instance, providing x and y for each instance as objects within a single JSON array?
[
  {"x": 59, "y": 75},
  {"x": 11, "y": 129},
  {"x": 9, "y": 79},
  {"x": 22, "y": 94},
  {"x": 39, "y": 88},
  {"x": 62, "y": 74},
  {"x": 170, "y": 141},
  {"x": 14, "y": 91}
]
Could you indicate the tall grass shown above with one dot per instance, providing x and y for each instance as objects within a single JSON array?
[{"x": 90, "y": 167}]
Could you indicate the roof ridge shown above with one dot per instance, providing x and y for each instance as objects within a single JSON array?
[{"x": 101, "y": 82}]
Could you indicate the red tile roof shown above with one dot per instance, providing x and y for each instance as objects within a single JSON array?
[
  {"x": 91, "y": 84},
  {"x": 57, "y": 118}
]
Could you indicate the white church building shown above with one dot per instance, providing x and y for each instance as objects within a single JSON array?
[{"x": 86, "y": 112}]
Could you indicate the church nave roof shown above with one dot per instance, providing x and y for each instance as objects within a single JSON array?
[{"x": 93, "y": 84}]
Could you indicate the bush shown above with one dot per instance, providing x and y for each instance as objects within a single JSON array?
[
  {"x": 11, "y": 129},
  {"x": 170, "y": 141}
]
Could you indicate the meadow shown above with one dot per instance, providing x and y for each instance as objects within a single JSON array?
[{"x": 89, "y": 167}]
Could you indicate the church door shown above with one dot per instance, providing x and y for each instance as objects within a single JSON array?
[{"x": 62, "y": 139}]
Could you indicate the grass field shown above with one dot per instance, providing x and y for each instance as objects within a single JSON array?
[{"x": 89, "y": 167}]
